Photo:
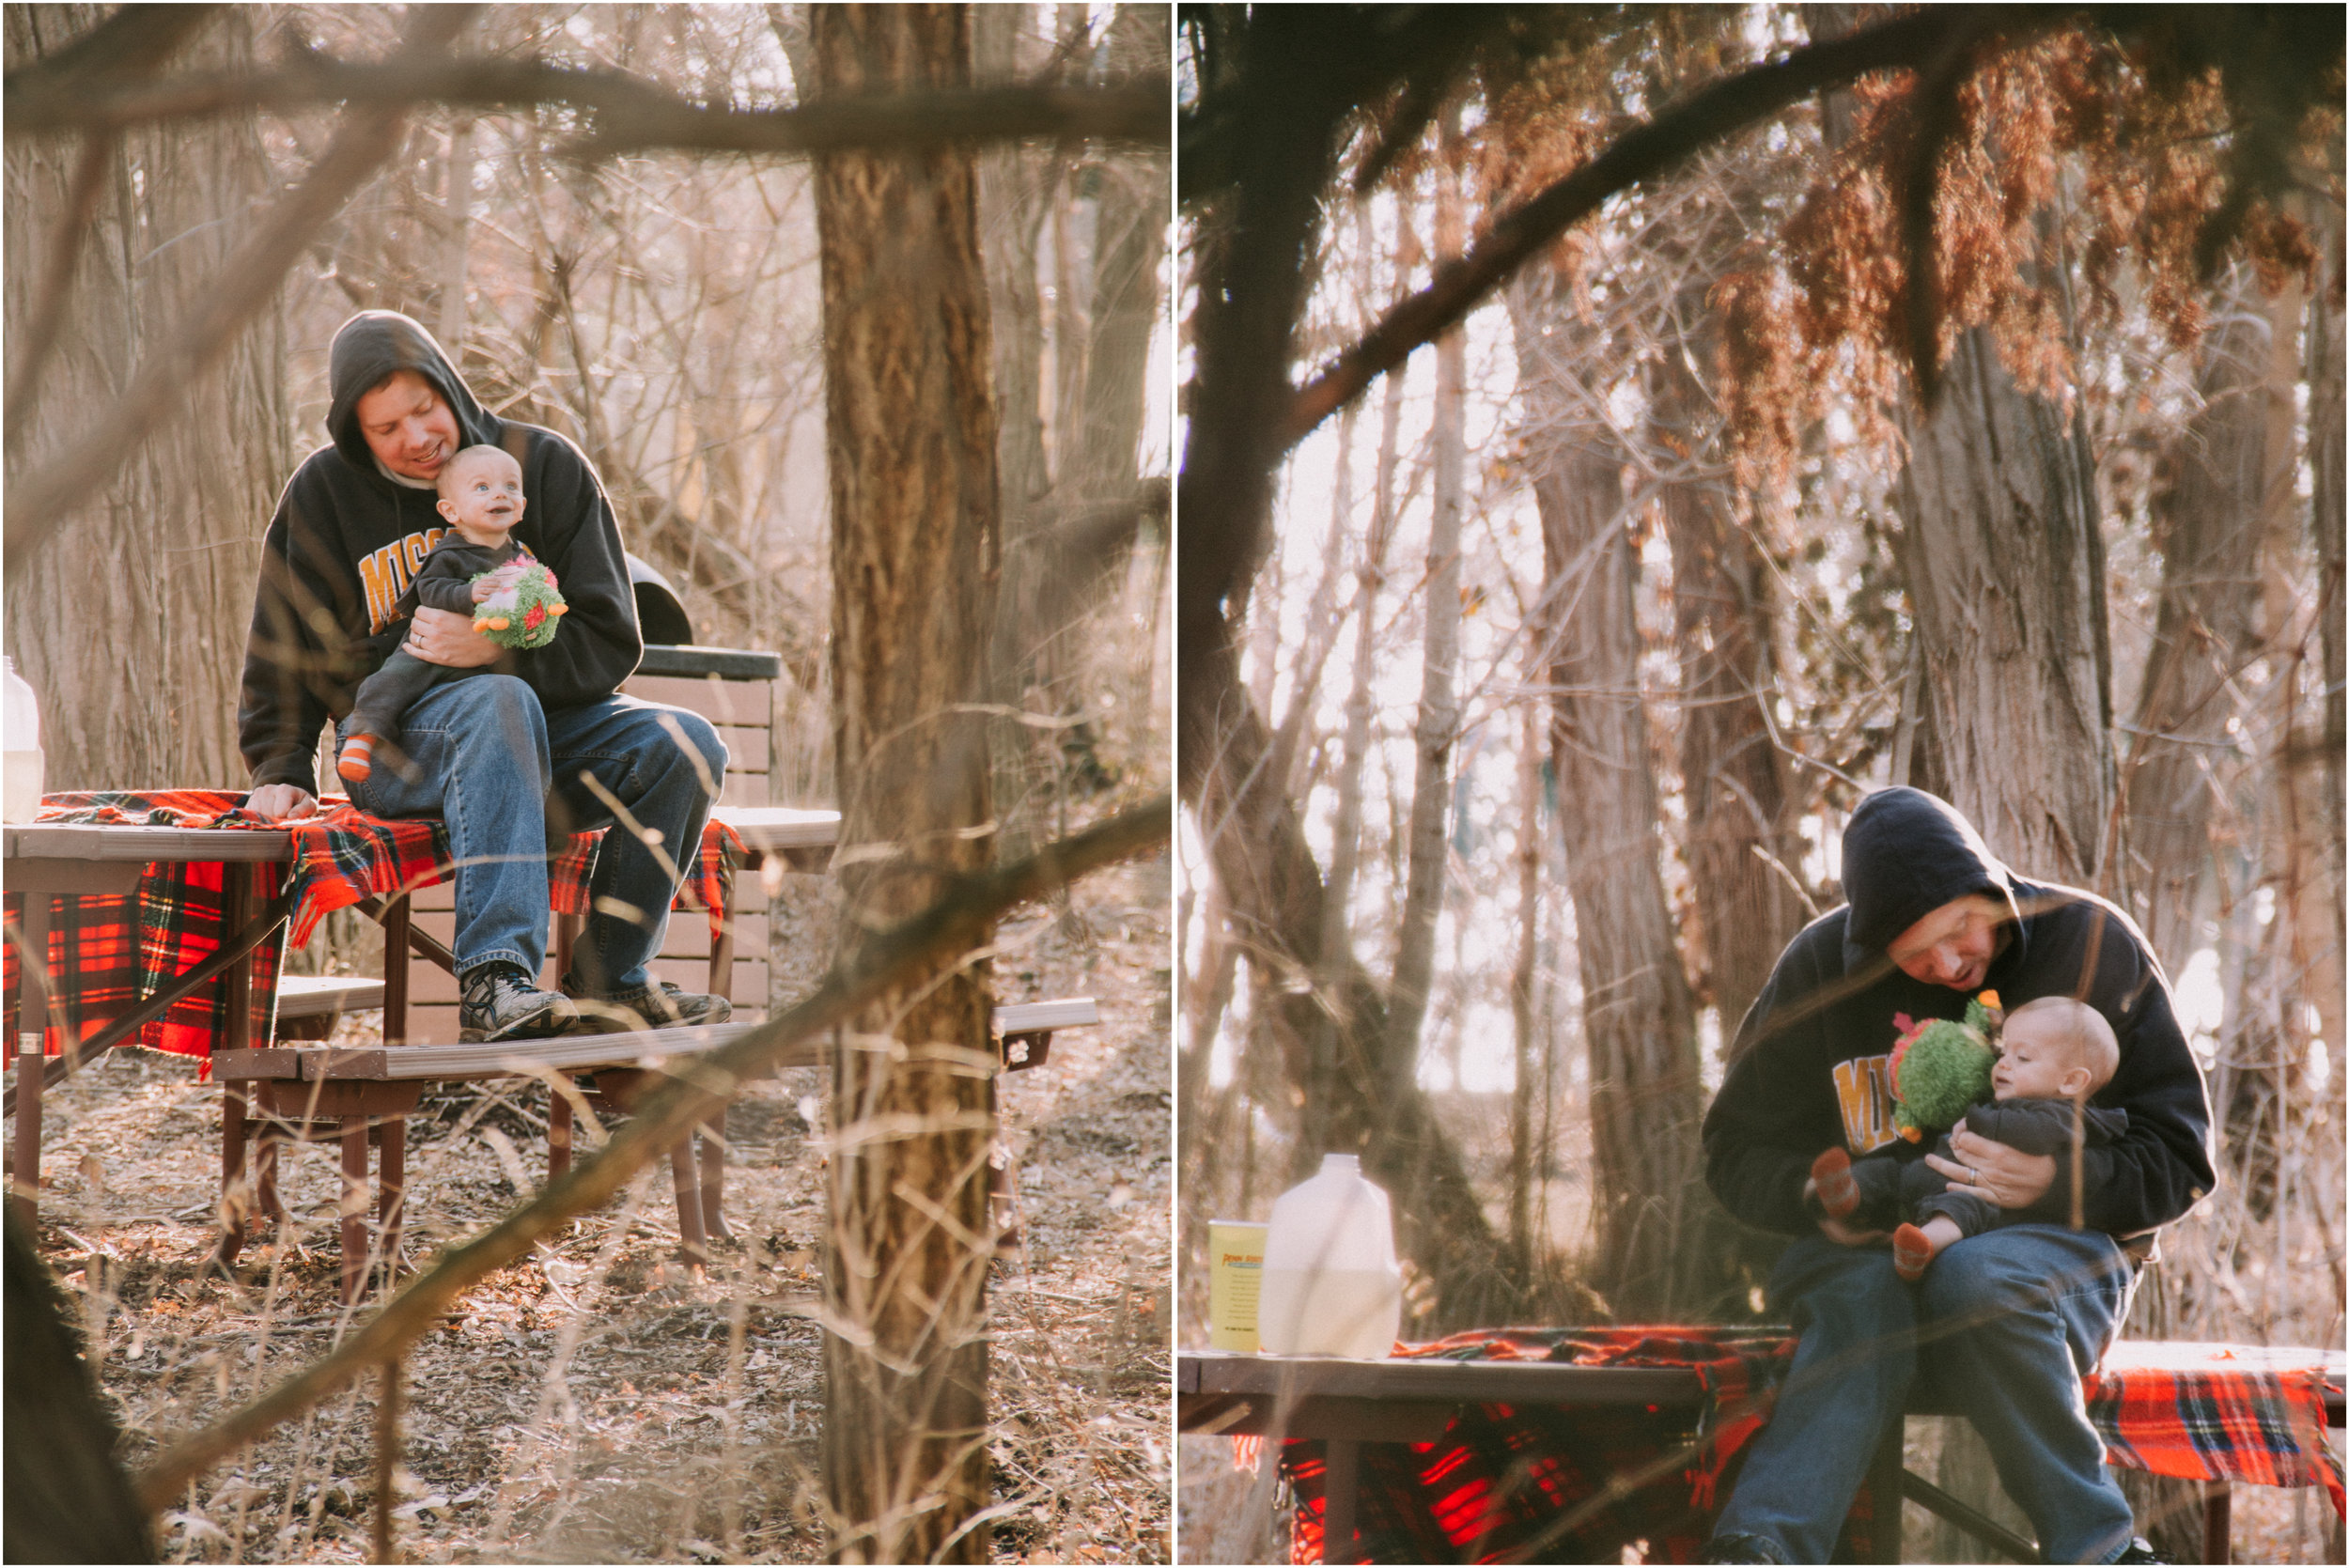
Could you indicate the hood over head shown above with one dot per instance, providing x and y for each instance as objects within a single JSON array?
[
  {"x": 1905, "y": 854},
  {"x": 370, "y": 347}
]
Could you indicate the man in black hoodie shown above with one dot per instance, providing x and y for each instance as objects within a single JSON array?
[
  {"x": 2004, "y": 1323},
  {"x": 513, "y": 759}
]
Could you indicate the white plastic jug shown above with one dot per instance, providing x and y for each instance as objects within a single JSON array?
[
  {"x": 1331, "y": 1284},
  {"x": 20, "y": 749}
]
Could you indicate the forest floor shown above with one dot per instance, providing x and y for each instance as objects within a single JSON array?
[{"x": 599, "y": 1403}]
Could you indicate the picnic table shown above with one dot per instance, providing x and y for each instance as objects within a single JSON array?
[
  {"x": 274, "y": 1091},
  {"x": 2214, "y": 1413}
]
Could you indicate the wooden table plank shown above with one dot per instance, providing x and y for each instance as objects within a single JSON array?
[
  {"x": 1218, "y": 1372},
  {"x": 115, "y": 841},
  {"x": 1024, "y": 1017},
  {"x": 782, "y": 827}
]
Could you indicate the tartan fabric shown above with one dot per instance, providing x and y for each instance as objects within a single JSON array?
[
  {"x": 342, "y": 855},
  {"x": 2210, "y": 1412},
  {"x": 1506, "y": 1481},
  {"x": 1502, "y": 1480},
  {"x": 107, "y": 952}
]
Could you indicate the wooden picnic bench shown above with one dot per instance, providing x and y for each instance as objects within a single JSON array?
[
  {"x": 1346, "y": 1404},
  {"x": 277, "y": 1092},
  {"x": 362, "y": 1097}
]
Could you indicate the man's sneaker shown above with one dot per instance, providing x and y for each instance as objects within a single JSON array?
[
  {"x": 2141, "y": 1550},
  {"x": 501, "y": 1002},
  {"x": 654, "y": 1005}
]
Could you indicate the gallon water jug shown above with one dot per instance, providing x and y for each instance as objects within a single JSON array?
[
  {"x": 1331, "y": 1284},
  {"x": 19, "y": 746}
]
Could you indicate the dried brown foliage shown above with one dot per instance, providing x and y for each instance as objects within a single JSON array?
[{"x": 2072, "y": 159}]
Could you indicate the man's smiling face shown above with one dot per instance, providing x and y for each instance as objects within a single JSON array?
[
  {"x": 407, "y": 425},
  {"x": 1953, "y": 945}
]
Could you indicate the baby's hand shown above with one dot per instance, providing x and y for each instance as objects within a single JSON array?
[{"x": 496, "y": 581}]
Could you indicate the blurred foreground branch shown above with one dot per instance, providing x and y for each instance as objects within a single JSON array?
[
  {"x": 631, "y": 113},
  {"x": 949, "y": 927}
]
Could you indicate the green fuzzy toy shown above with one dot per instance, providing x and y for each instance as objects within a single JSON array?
[
  {"x": 524, "y": 611},
  {"x": 1941, "y": 1068}
]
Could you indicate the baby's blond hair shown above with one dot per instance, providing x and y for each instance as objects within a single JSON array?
[{"x": 2083, "y": 1030}]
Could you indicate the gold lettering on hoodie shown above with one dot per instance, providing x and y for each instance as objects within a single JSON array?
[
  {"x": 1863, "y": 1089},
  {"x": 386, "y": 574}
]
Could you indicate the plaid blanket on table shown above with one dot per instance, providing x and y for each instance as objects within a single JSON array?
[
  {"x": 1503, "y": 1477},
  {"x": 1506, "y": 1478},
  {"x": 2217, "y": 1412},
  {"x": 107, "y": 952}
]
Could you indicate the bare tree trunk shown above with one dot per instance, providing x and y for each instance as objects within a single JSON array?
[
  {"x": 2006, "y": 579},
  {"x": 1018, "y": 187},
  {"x": 457, "y": 209},
  {"x": 1439, "y": 723},
  {"x": 1639, "y": 1017},
  {"x": 1659, "y": 1244},
  {"x": 171, "y": 205},
  {"x": 912, "y": 452},
  {"x": 2208, "y": 515},
  {"x": 2328, "y": 527},
  {"x": 1733, "y": 778},
  {"x": 1129, "y": 243},
  {"x": 1333, "y": 950},
  {"x": 1523, "y": 1159}
]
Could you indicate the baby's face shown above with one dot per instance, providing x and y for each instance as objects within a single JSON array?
[
  {"x": 485, "y": 495},
  {"x": 2034, "y": 1056}
]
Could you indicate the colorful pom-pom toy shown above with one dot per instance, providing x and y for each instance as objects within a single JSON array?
[
  {"x": 525, "y": 612},
  {"x": 1940, "y": 1068}
]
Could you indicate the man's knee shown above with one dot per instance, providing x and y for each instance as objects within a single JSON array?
[
  {"x": 2018, "y": 1269},
  {"x": 694, "y": 735}
]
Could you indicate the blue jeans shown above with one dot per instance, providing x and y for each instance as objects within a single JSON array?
[
  {"x": 510, "y": 779},
  {"x": 2000, "y": 1328}
]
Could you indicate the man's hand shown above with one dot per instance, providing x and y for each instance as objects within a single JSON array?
[
  {"x": 2007, "y": 1176},
  {"x": 281, "y": 803},
  {"x": 445, "y": 637}
]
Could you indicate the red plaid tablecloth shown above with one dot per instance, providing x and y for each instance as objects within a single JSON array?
[
  {"x": 108, "y": 951},
  {"x": 2217, "y": 1412},
  {"x": 1503, "y": 1477}
]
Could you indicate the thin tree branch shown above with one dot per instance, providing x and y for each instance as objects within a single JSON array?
[
  {"x": 39, "y": 506},
  {"x": 1638, "y": 154},
  {"x": 951, "y": 927},
  {"x": 631, "y": 113}
]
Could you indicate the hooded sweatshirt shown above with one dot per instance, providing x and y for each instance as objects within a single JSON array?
[
  {"x": 348, "y": 538},
  {"x": 1808, "y": 1070}
]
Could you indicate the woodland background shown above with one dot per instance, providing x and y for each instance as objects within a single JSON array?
[
  {"x": 1527, "y": 688},
  {"x": 683, "y": 314}
]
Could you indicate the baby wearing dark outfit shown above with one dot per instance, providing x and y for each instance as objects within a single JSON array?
[
  {"x": 2053, "y": 1053},
  {"x": 481, "y": 495}
]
